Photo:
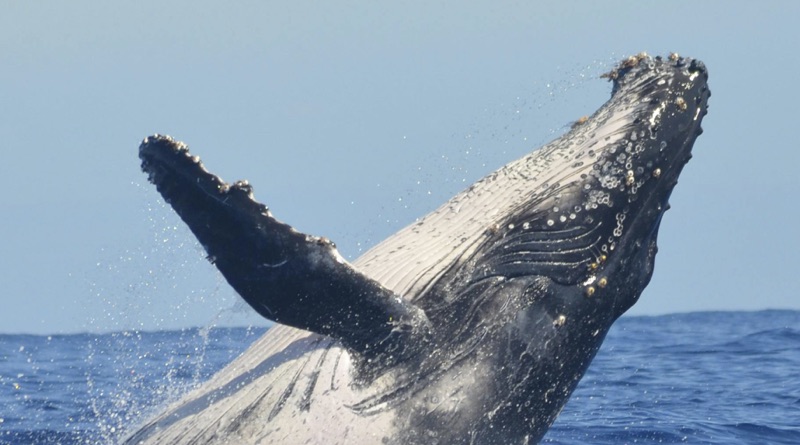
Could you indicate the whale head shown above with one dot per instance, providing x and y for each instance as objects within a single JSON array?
[
  {"x": 641, "y": 141},
  {"x": 582, "y": 213}
]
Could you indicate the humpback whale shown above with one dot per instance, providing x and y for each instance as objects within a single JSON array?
[{"x": 472, "y": 325}]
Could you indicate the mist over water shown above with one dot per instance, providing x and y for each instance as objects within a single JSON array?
[{"x": 93, "y": 388}]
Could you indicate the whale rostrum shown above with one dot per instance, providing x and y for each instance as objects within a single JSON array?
[{"x": 472, "y": 325}]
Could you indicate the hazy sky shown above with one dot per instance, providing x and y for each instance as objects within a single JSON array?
[{"x": 353, "y": 118}]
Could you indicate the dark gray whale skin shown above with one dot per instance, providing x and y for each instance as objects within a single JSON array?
[{"x": 471, "y": 326}]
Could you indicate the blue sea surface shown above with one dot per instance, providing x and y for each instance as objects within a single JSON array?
[{"x": 701, "y": 378}]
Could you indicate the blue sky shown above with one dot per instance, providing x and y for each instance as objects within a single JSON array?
[{"x": 351, "y": 120}]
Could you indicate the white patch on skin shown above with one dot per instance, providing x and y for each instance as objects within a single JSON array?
[
  {"x": 275, "y": 265},
  {"x": 656, "y": 113}
]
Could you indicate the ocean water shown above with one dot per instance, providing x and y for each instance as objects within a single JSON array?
[{"x": 700, "y": 378}]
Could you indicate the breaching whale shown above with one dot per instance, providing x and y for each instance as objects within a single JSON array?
[{"x": 472, "y": 325}]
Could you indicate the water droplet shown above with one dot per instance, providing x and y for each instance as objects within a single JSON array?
[
  {"x": 562, "y": 218},
  {"x": 550, "y": 222}
]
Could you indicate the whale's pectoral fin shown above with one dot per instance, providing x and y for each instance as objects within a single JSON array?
[{"x": 286, "y": 276}]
